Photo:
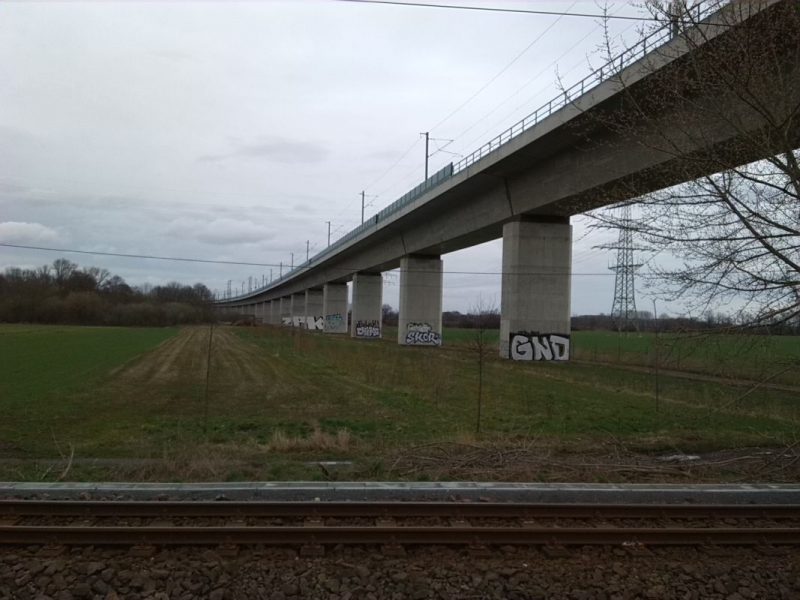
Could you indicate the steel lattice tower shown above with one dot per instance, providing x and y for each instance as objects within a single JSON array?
[{"x": 623, "y": 311}]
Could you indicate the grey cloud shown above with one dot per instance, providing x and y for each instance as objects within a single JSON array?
[
  {"x": 15, "y": 232},
  {"x": 174, "y": 55},
  {"x": 274, "y": 149},
  {"x": 220, "y": 231},
  {"x": 12, "y": 188}
]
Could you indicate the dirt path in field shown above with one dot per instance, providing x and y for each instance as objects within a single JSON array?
[
  {"x": 167, "y": 362},
  {"x": 239, "y": 369},
  {"x": 183, "y": 360}
]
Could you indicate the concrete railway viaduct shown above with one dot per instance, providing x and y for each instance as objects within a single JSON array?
[{"x": 523, "y": 186}]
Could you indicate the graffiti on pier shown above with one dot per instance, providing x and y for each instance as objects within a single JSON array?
[
  {"x": 368, "y": 329},
  {"x": 304, "y": 322},
  {"x": 538, "y": 346},
  {"x": 422, "y": 334},
  {"x": 315, "y": 323},
  {"x": 335, "y": 322}
]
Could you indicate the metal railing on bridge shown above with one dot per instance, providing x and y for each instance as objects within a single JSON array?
[{"x": 627, "y": 57}]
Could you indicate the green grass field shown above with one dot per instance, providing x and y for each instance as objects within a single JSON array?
[
  {"x": 280, "y": 399},
  {"x": 741, "y": 356},
  {"x": 753, "y": 357},
  {"x": 44, "y": 369}
]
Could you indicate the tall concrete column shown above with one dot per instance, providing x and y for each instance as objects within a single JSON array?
[
  {"x": 535, "y": 304},
  {"x": 298, "y": 304},
  {"x": 314, "y": 319},
  {"x": 420, "y": 321},
  {"x": 273, "y": 312},
  {"x": 334, "y": 307},
  {"x": 367, "y": 305},
  {"x": 286, "y": 310}
]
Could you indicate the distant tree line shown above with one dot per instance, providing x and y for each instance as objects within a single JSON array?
[
  {"x": 66, "y": 293},
  {"x": 645, "y": 321}
]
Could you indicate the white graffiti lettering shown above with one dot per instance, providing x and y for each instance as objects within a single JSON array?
[
  {"x": 315, "y": 323},
  {"x": 521, "y": 348},
  {"x": 287, "y": 321},
  {"x": 535, "y": 346},
  {"x": 422, "y": 334},
  {"x": 368, "y": 329}
]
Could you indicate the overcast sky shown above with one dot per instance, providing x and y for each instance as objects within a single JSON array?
[{"x": 235, "y": 130}]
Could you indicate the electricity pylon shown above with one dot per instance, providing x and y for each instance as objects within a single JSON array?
[{"x": 623, "y": 311}]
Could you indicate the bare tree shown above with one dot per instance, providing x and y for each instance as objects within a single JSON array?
[{"x": 733, "y": 227}]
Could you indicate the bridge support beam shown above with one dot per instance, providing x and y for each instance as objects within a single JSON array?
[
  {"x": 266, "y": 314},
  {"x": 298, "y": 309},
  {"x": 420, "y": 320},
  {"x": 313, "y": 311},
  {"x": 286, "y": 310},
  {"x": 334, "y": 307},
  {"x": 535, "y": 304},
  {"x": 274, "y": 312},
  {"x": 367, "y": 306}
]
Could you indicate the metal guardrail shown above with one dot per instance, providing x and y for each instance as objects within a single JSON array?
[{"x": 627, "y": 57}]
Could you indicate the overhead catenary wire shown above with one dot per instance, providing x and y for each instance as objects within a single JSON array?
[
  {"x": 526, "y": 84},
  {"x": 257, "y": 264},
  {"x": 492, "y": 80},
  {"x": 497, "y": 9},
  {"x": 500, "y": 72}
]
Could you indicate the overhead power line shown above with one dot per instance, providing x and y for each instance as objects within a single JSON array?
[
  {"x": 254, "y": 264},
  {"x": 505, "y": 10},
  {"x": 147, "y": 256},
  {"x": 501, "y": 71}
]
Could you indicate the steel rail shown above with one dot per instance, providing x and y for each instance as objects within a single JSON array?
[
  {"x": 83, "y": 535},
  {"x": 114, "y": 508}
]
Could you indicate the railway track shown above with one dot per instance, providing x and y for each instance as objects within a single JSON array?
[{"x": 24, "y": 522}]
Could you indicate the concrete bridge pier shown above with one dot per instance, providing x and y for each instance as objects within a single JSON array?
[
  {"x": 367, "y": 306},
  {"x": 273, "y": 312},
  {"x": 535, "y": 304},
  {"x": 420, "y": 320},
  {"x": 286, "y": 310},
  {"x": 313, "y": 310},
  {"x": 334, "y": 307},
  {"x": 298, "y": 309}
]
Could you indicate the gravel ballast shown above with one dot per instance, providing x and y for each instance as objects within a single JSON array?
[{"x": 423, "y": 572}]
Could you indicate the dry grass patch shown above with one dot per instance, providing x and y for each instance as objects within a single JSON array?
[{"x": 317, "y": 440}]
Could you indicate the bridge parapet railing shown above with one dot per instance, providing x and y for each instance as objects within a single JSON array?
[
  {"x": 627, "y": 57},
  {"x": 432, "y": 181},
  {"x": 644, "y": 46}
]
